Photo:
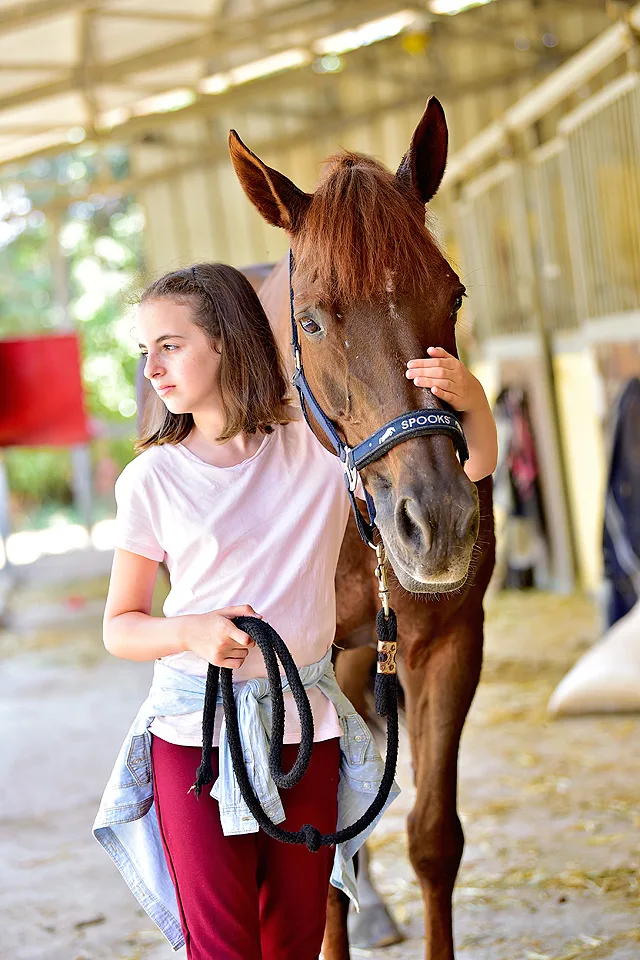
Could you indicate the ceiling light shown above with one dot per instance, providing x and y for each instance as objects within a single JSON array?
[
  {"x": 366, "y": 33},
  {"x": 216, "y": 83},
  {"x": 113, "y": 118},
  {"x": 454, "y": 6},
  {"x": 254, "y": 70},
  {"x": 285, "y": 60},
  {"x": 176, "y": 99}
]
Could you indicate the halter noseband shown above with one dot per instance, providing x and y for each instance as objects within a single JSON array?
[{"x": 415, "y": 423}]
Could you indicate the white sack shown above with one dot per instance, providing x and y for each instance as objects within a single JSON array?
[{"x": 607, "y": 678}]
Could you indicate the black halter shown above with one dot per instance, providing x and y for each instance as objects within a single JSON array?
[{"x": 415, "y": 423}]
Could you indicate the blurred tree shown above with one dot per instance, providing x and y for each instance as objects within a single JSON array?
[{"x": 95, "y": 268}]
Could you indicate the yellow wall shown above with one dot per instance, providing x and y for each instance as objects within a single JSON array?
[
  {"x": 488, "y": 375},
  {"x": 582, "y": 444}
]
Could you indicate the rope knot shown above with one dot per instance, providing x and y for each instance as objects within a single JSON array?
[{"x": 312, "y": 837}]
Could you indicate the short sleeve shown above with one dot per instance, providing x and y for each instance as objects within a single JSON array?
[{"x": 134, "y": 521}]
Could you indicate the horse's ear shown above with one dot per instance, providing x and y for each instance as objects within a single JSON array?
[
  {"x": 275, "y": 197},
  {"x": 423, "y": 164}
]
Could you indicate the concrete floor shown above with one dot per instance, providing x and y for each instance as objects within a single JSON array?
[{"x": 550, "y": 809}]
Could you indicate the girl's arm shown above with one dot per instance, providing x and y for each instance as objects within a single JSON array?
[
  {"x": 449, "y": 380},
  {"x": 129, "y": 630}
]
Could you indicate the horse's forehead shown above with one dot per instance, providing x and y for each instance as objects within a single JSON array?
[
  {"x": 308, "y": 289},
  {"x": 394, "y": 300}
]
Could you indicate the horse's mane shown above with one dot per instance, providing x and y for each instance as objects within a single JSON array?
[{"x": 363, "y": 232}]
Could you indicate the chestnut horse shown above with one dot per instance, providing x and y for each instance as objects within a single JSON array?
[{"x": 373, "y": 290}]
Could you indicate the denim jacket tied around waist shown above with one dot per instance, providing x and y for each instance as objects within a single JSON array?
[{"x": 126, "y": 824}]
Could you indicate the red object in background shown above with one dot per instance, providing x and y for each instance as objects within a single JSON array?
[{"x": 41, "y": 398}]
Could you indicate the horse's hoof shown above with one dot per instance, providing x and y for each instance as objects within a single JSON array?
[{"x": 372, "y": 928}]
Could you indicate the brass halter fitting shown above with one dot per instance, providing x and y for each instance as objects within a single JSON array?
[
  {"x": 381, "y": 574},
  {"x": 387, "y": 649}
]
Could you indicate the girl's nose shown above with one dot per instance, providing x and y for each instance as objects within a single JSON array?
[{"x": 152, "y": 366}]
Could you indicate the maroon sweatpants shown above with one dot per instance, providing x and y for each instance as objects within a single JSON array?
[{"x": 246, "y": 897}]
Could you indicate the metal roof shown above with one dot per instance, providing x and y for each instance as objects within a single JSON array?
[
  {"x": 100, "y": 69},
  {"x": 69, "y": 68}
]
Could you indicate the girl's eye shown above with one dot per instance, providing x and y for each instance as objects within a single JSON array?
[
  {"x": 167, "y": 346},
  {"x": 310, "y": 326}
]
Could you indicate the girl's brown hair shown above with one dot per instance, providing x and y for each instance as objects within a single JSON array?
[{"x": 252, "y": 380}]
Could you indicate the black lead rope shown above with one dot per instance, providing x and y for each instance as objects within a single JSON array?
[{"x": 273, "y": 648}]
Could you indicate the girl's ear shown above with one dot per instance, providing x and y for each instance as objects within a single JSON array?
[
  {"x": 423, "y": 164},
  {"x": 275, "y": 197}
]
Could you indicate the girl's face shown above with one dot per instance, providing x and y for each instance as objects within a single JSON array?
[{"x": 181, "y": 362}]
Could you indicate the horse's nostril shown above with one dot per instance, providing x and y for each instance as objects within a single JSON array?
[
  {"x": 467, "y": 521},
  {"x": 468, "y": 518},
  {"x": 412, "y": 525}
]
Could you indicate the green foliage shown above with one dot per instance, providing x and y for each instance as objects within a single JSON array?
[
  {"x": 40, "y": 473},
  {"x": 99, "y": 240}
]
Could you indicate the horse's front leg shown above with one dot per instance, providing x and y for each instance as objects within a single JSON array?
[
  {"x": 438, "y": 696},
  {"x": 335, "y": 945}
]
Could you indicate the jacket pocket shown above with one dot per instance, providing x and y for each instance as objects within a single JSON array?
[
  {"x": 357, "y": 738},
  {"x": 139, "y": 760}
]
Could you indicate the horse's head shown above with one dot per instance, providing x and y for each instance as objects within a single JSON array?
[{"x": 372, "y": 290}]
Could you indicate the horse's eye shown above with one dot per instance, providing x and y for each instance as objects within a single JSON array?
[
  {"x": 310, "y": 326},
  {"x": 457, "y": 306}
]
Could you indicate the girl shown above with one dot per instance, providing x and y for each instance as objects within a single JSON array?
[{"x": 235, "y": 494}]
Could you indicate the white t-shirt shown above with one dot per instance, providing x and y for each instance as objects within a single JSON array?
[{"x": 266, "y": 532}]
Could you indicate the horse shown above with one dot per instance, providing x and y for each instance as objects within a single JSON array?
[{"x": 371, "y": 290}]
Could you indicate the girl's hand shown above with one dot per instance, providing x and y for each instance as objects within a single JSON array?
[
  {"x": 447, "y": 378},
  {"x": 213, "y": 637}
]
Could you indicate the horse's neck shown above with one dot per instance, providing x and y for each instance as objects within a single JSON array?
[{"x": 274, "y": 295}]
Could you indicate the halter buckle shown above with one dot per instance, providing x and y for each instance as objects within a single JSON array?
[{"x": 350, "y": 470}]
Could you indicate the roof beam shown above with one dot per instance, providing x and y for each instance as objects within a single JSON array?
[
  {"x": 30, "y": 66},
  {"x": 207, "y": 44},
  {"x": 328, "y": 122},
  {"x": 156, "y": 15},
  {"x": 202, "y": 154},
  {"x": 86, "y": 47},
  {"x": 264, "y": 90},
  {"x": 219, "y": 37},
  {"x": 586, "y": 63},
  {"x": 20, "y": 14},
  {"x": 315, "y": 16},
  {"x": 251, "y": 97}
]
